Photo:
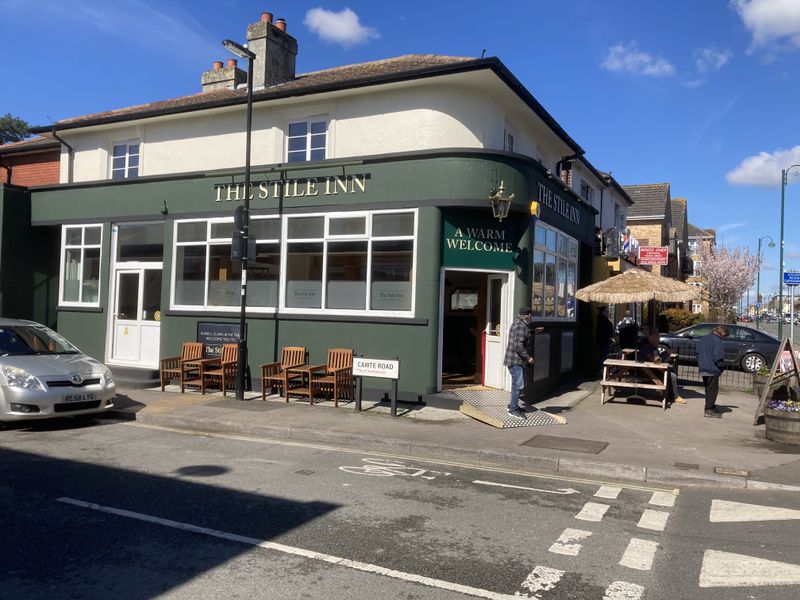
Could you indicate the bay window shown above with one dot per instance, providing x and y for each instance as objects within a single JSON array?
[{"x": 555, "y": 274}]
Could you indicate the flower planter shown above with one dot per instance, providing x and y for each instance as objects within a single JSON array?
[{"x": 782, "y": 426}]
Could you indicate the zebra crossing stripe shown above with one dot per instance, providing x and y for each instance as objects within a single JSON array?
[
  {"x": 608, "y": 491},
  {"x": 663, "y": 499},
  {"x": 592, "y": 511},
  {"x": 566, "y": 543},
  {"x": 639, "y": 554},
  {"x": 622, "y": 590},
  {"x": 653, "y": 519},
  {"x": 541, "y": 579}
]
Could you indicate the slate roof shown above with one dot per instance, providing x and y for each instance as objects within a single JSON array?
[
  {"x": 390, "y": 70},
  {"x": 695, "y": 231},
  {"x": 649, "y": 199},
  {"x": 679, "y": 214}
]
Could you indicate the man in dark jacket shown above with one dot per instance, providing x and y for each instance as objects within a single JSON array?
[
  {"x": 711, "y": 362},
  {"x": 517, "y": 358}
]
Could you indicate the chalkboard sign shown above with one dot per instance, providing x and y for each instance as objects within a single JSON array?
[{"x": 213, "y": 335}]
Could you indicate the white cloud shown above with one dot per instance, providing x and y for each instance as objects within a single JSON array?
[
  {"x": 627, "y": 58},
  {"x": 709, "y": 60},
  {"x": 341, "y": 27},
  {"x": 764, "y": 169},
  {"x": 770, "y": 21}
]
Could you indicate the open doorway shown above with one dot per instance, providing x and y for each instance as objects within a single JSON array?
[{"x": 474, "y": 327}]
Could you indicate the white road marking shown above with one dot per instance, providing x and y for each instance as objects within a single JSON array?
[
  {"x": 724, "y": 569},
  {"x": 592, "y": 511},
  {"x": 662, "y": 499},
  {"x": 530, "y": 489},
  {"x": 724, "y": 511},
  {"x": 622, "y": 590},
  {"x": 639, "y": 554},
  {"x": 541, "y": 579},
  {"x": 653, "y": 519},
  {"x": 608, "y": 491},
  {"x": 292, "y": 550},
  {"x": 566, "y": 543}
]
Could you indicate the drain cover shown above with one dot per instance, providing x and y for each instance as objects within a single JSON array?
[{"x": 564, "y": 443}]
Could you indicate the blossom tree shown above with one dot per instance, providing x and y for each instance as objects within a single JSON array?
[{"x": 728, "y": 274}]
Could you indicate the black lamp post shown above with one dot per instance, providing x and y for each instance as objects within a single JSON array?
[
  {"x": 784, "y": 173},
  {"x": 243, "y": 222},
  {"x": 758, "y": 279}
]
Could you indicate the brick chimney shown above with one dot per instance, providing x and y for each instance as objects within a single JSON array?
[
  {"x": 223, "y": 77},
  {"x": 275, "y": 51}
]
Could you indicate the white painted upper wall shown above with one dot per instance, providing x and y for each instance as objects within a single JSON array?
[{"x": 450, "y": 112}]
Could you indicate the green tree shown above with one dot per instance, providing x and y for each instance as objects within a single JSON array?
[{"x": 12, "y": 129}]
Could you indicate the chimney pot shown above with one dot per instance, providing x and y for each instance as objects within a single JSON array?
[
  {"x": 266, "y": 16},
  {"x": 232, "y": 62},
  {"x": 217, "y": 65},
  {"x": 281, "y": 24}
]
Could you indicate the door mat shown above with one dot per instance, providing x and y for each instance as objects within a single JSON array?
[
  {"x": 490, "y": 407},
  {"x": 564, "y": 443}
]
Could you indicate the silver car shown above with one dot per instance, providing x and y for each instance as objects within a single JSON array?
[{"x": 42, "y": 375}]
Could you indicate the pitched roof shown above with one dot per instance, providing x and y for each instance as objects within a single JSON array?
[
  {"x": 610, "y": 179},
  {"x": 679, "y": 214},
  {"x": 34, "y": 144},
  {"x": 695, "y": 231},
  {"x": 390, "y": 70},
  {"x": 649, "y": 199}
]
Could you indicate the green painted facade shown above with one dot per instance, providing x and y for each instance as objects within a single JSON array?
[{"x": 448, "y": 189}]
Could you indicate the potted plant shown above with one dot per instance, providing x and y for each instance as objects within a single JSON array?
[
  {"x": 760, "y": 379},
  {"x": 782, "y": 416}
]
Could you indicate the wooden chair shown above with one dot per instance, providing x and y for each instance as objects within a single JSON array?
[
  {"x": 337, "y": 378},
  {"x": 173, "y": 367},
  {"x": 277, "y": 375},
  {"x": 221, "y": 371}
]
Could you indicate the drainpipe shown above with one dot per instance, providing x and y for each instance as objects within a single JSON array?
[{"x": 70, "y": 155}]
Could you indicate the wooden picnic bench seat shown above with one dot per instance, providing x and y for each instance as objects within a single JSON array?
[
  {"x": 621, "y": 373},
  {"x": 278, "y": 374},
  {"x": 221, "y": 372}
]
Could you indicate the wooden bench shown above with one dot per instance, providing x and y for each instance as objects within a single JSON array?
[
  {"x": 278, "y": 374},
  {"x": 182, "y": 367},
  {"x": 220, "y": 371},
  {"x": 637, "y": 375}
]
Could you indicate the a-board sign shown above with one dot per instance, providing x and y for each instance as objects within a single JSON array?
[
  {"x": 213, "y": 335},
  {"x": 376, "y": 367}
]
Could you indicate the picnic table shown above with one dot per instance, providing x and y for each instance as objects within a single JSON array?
[{"x": 619, "y": 373}]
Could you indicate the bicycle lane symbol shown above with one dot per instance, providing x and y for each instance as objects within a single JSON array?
[{"x": 378, "y": 467}]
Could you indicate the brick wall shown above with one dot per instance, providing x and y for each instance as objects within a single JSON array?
[{"x": 28, "y": 170}]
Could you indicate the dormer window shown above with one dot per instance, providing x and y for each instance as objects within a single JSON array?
[{"x": 125, "y": 159}]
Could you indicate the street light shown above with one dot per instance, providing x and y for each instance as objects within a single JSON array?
[
  {"x": 244, "y": 220},
  {"x": 784, "y": 174},
  {"x": 758, "y": 280}
]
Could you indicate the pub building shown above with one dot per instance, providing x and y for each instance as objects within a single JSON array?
[{"x": 370, "y": 208}]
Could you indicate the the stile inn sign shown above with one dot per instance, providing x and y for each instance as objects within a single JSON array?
[{"x": 331, "y": 185}]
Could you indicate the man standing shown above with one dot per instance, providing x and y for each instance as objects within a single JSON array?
[
  {"x": 711, "y": 363},
  {"x": 517, "y": 358}
]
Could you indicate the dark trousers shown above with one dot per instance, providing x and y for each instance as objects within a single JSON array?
[{"x": 711, "y": 382}]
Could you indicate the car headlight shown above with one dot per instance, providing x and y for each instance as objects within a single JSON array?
[
  {"x": 19, "y": 378},
  {"x": 108, "y": 376}
]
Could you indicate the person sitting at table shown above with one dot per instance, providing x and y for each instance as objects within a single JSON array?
[{"x": 650, "y": 351}]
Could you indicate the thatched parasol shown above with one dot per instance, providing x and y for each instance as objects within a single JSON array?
[{"x": 636, "y": 285}]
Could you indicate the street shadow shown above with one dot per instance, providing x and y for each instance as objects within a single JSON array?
[{"x": 143, "y": 550}]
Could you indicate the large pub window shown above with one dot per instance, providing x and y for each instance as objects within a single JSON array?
[{"x": 555, "y": 274}]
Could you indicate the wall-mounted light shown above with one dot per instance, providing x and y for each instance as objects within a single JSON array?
[{"x": 501, "y": 202}]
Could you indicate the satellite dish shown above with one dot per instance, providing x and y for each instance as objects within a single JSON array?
[{"x": 240, "y": 218}]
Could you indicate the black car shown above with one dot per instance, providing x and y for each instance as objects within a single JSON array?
[{"x": 745, "y": 348}]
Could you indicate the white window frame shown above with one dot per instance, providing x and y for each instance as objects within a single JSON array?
[
  {"x": 209, "y": 241},
  {"x": 543, "y": 249},
  {"x": 510, "y": 132},
  {"x": 367, "y": 236},
  {"x": 63, "y": 266},
  {"x": 309, "y": 121},
  {"x": 127, "y": 143}
]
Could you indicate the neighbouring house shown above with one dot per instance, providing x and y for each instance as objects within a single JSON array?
[{"x": 698, "y": 240}]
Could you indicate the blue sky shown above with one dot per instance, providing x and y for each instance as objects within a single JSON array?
[{"x": 700, "y": 94}]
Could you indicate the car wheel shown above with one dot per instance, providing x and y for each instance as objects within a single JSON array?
[{"x": 753, "y": 362}]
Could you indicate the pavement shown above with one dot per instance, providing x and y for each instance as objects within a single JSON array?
[{"x": 634, "y": 441}]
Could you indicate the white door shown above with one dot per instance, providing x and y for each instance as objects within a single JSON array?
[
  {"x": 136, "y": 317},
  {"x": 496, "y": 326}
]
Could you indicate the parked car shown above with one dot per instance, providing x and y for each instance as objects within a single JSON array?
[
  {"x": 745, "y": 318},
  {"x": 745, "y": 348},
  {"x": 42, "y": 375}
]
